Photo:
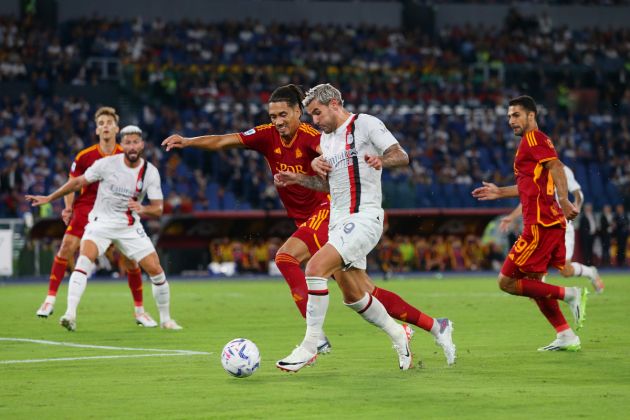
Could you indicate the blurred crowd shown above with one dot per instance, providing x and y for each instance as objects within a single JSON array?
[
  {"x": 443, "y": 96},
  {"x": 396, "y": 254}
]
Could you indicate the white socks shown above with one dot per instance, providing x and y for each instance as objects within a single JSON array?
[
  {"x": 78, "y": 282},
  {"x": 571, "y": 293},
  {"x": 316, "y": 309},
  {"x": 373, "y": 311},
  {"x": 568, "y": 333},
  {"x": 162, "y": 296},
  {"x": 581, "y": 270}
]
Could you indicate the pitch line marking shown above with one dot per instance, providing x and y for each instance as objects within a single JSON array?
[{"x": 162, "y": 352}]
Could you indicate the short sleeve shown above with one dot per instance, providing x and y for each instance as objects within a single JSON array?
[
  {"x": 96, "y": 172},
  {"x": 77, "y": 168},
  {"x": 541, "y": 146},
  {"x": 572, "y": 183},
  {"x": 154, "y": 184},
  {"x": 378, "y": 134},
  {"x": 257, "y": 138}
]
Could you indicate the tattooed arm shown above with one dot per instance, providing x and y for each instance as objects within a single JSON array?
[
  {"x": 286, "y": 178},
  {"x": 393, "y": 157}
]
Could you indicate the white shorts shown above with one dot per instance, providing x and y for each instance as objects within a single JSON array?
[
  {"x": 569, "y": 240},
  {"x": 355, "y": 235},
  {"x": 132, "y": 241}
]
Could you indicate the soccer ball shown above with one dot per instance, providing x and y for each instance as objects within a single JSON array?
[{"x": 240, "y": 357}]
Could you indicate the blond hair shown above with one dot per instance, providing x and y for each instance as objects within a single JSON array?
[
  {"x": 324, "y": 93},
  {"x": 107, "y": 110}
]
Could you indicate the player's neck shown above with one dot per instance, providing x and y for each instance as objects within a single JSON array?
[
  {"x": 342, "y": 117},
  {"x": 287, "y": 139},
  {"x": 531, "y": 128},
  {"x": 107, "y": 145}
]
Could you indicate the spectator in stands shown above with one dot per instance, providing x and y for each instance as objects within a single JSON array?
[
  {"x": 621, "y": 234},
  {"x": 606, "y": 227},
  {"x": 587, "y": 231}
]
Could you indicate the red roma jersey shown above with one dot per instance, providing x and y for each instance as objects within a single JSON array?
[
  {"x": 535, "y": 184},
  {"x": 84, "y": 159},
  {"x": 296, "y": 156}
]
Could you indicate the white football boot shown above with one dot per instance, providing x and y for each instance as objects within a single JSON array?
[
  {"x": 405, "y": 356},
  {"x": 298, "y": 358},
  {"x": 578, "y": 306},
  {"x": 68, "y": 322},
  {"x": 563, "y": 343},
  {"x": 596, "y": 281},
  {"x": 45, "y": 310},
  {"x": 444, "y": 339},
  {"x": 144, "y": 320},
  {"x": 171, "y": 325},
  {"x": 323, "y": 346}
]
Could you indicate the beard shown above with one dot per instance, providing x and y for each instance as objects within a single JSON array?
[{"x": 133, "y": 157}]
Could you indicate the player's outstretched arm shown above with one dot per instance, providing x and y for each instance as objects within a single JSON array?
[
  {"x": 209, "y": 142},
  {"x": 154, "y": 209},
  {"x": 507, "y": 221},
  {"x": 286, "y": 178},
  {"x": 556, "y": 168},
  {"x": 73, "y": 184},
  {"x": 393, "y": 157},
  {"x": 490, "y": 191}
]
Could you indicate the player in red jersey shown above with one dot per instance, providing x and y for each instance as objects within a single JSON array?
[
  {"x": 290, "y": 145},
  {"x": 75, "y": 215},
  {"x": 539, "y": 174}
]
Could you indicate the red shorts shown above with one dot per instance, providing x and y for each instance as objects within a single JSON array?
[
  {"x": 314, "y": 232},
  {"x": 535, "y": 250},
  {"x": 77, "y": 224}
]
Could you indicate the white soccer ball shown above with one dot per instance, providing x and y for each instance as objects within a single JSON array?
[{"x": 240, "y": 357}]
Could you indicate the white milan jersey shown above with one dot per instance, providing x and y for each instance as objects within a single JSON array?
[
  {"x": 572, "y": 186},
  {"x": 572, "y": 183},
  {"x": 118, "y": 184},
  {"x": 354, "y": 186}
]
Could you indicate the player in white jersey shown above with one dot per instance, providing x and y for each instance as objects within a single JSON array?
[
  {"x": 355, "y": 149},
  {"x": 570, "y": 269},
  {"x": 124, "y": 180}
]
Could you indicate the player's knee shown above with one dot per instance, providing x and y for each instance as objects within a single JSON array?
[
  {"x": 351, "y": 296},
  {"x": 506, "y": 283},
  {"x": 281, "y": 257},
  {"x": 84, "y": 264},
  {"x": 158, "y": 278},
  {"x": 67, "y": 249},
  {"x": 129, "y": 264},
  {"x": 314, "y": 269}
]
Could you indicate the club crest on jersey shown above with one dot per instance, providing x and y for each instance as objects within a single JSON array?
[
  {"x": 249, "y": 132},
  {"x": 350, "y": 139},
  {"x": 298, "y": 153},
  {"x": 277, "y": 151}
]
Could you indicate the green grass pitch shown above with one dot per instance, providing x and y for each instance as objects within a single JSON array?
[{"x": 498, "y": 374}]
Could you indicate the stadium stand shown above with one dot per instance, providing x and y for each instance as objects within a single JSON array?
[{"x": 443, "y": 96}]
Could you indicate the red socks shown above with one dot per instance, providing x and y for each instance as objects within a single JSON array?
[
  {"x": 294, "y": 276},
  {"x": 401, "y": 310},
  {"x": 538, "y": 289},
  {"x": 134, "y": 279},
  {"x": 551, "y": 311},
  {"x": 57, "y": 272}
]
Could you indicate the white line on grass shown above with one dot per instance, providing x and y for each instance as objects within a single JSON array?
[
  {"x": 162, "y": 352},
  {"x": 90, "y": 346},
  {"x": 121, "y": 356}
]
